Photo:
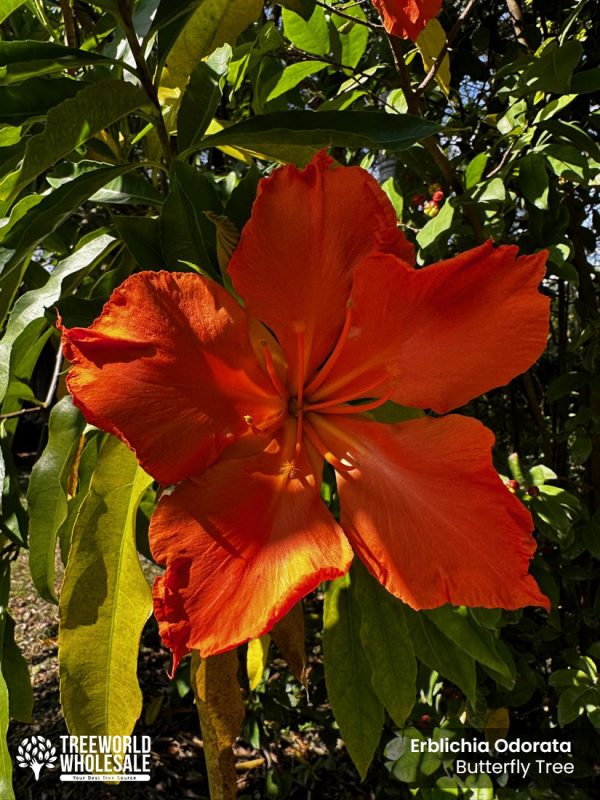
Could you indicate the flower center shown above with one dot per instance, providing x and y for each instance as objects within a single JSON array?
[{"x": 299, "y": 404}]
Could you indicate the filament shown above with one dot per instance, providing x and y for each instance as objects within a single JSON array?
[
  {"x": 320, "y": 446},
  {"x": 275, "y": 380},
  {"x": 330, "y": 363}
]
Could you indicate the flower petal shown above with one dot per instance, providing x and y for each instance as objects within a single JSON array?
[
  {"x": 407, "y": 18},
  {"x": 429, "y": 516},
  {"x": 308, "y": 229},
  {"x": 441, "y": 335},
  {"x": 242, "y": 544},
  {"x": 169, "y": 368}
]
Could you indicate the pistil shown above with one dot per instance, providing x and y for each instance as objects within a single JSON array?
[{"x": 300, "y": 397}]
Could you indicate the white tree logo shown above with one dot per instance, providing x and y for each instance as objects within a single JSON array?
[{"x": 36, "y": 752}]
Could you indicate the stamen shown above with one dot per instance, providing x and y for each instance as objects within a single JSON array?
[
  {"x": 330, "y": 363},
  {"x": 335, "y": 401},
  {"x": 250, "y": 423},
  {"x": 321, "y": 448},
  {"x": 300, "y": 401},
  {"x": 275, "y": 380},
  {"x": 357, "y": 409}
]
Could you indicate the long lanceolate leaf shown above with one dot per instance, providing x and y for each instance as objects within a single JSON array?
[{"x": 104, "y": 603}]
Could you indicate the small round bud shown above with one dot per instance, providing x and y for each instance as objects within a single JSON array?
[
  {"x": 438, "y": 196},
  {"x": 514, "y": 486},
  {"x": 533, "y": 491}
]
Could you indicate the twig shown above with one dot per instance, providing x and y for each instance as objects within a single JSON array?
[
  {"x": 454, "y": 31},
  {"x": 49, "y": 394},
  {"x": 514, "y": 9},
  {"x": 334, "y": 10}
]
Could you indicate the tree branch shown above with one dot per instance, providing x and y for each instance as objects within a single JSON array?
[{"x": 49, "y": 394}]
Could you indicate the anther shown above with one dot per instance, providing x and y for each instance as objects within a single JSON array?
[{"x": 249, "y": 420}]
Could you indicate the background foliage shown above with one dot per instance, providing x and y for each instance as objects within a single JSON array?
[{"x": 132, "y": 136}]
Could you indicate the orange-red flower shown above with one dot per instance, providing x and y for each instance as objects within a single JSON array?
[
  {"x": 407, "y": 18},
  {"x": 240, "y": 408}
]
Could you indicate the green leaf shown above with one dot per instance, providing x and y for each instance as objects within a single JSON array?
[
  {"x": 299, "y": 129},
  {"x": 125, "y": 190},
  {"x": 47, "y": 494},
  {"x": 352, "y": 37},
  {"x": 387, "y": 644},
  {"x": 187, "y": 235},
  {"x": 52, "y": 211},
  {"x": 35, "y": 98},
  {"x": 440, "y": 653},
  {"x": 574, "y": 702},
  {"x": 396, "y": 199},
  {"x": 552, "y": 71},
  {"x": 289, "y": 78},
  {"x": 586, "y": 81},
  {"x": 310, "y": 35},
  {"x": 142, "y": 238},
  {"x": 212, "y": 24},
  {"x": 357, "y": 709},
  {"x": 32, "y": 305},
  {"x": 24, "y": 59},
  {"x": 16, "y": 673},
  {"x": 6, "y": 790},
  {"x": 436, "y": 227},
  {"x": 493, "y": 191},
  {"x": 104, "y": 602},
  {"x": 8, "y": 6},
  {"x": 302, "y": 7},
  {"x": 201, "y": 98},
  {"x": 475, "y": 170},
  {"x": 71, "y": 123},
  {"x": 533, "y": 180},
  {"x": 473, "y": 639}
]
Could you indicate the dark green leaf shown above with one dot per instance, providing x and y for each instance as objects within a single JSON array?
[
  {"x": 24, "y": 59},
  {"x": 298, "y": 129},
  {"x": 201, "y": 97},
  {"x": 357, "y": 709},
  {"x": 533, "y": 180},
  {"x": 16, "y": 675},
  {"x": 142, "y": 238},
  {"x": 71, "y": 123},
  {"x": 188, "y": 237},
  {"x": 438, "y": 652},
  {"x": 387, "y": 644},
  {"x": 35, "y": 98}
]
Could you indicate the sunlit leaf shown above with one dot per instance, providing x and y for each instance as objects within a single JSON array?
[{"x": 104, "y": 602}]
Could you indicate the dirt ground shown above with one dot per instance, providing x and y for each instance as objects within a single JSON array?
[{"x": 170, "y": 720}]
